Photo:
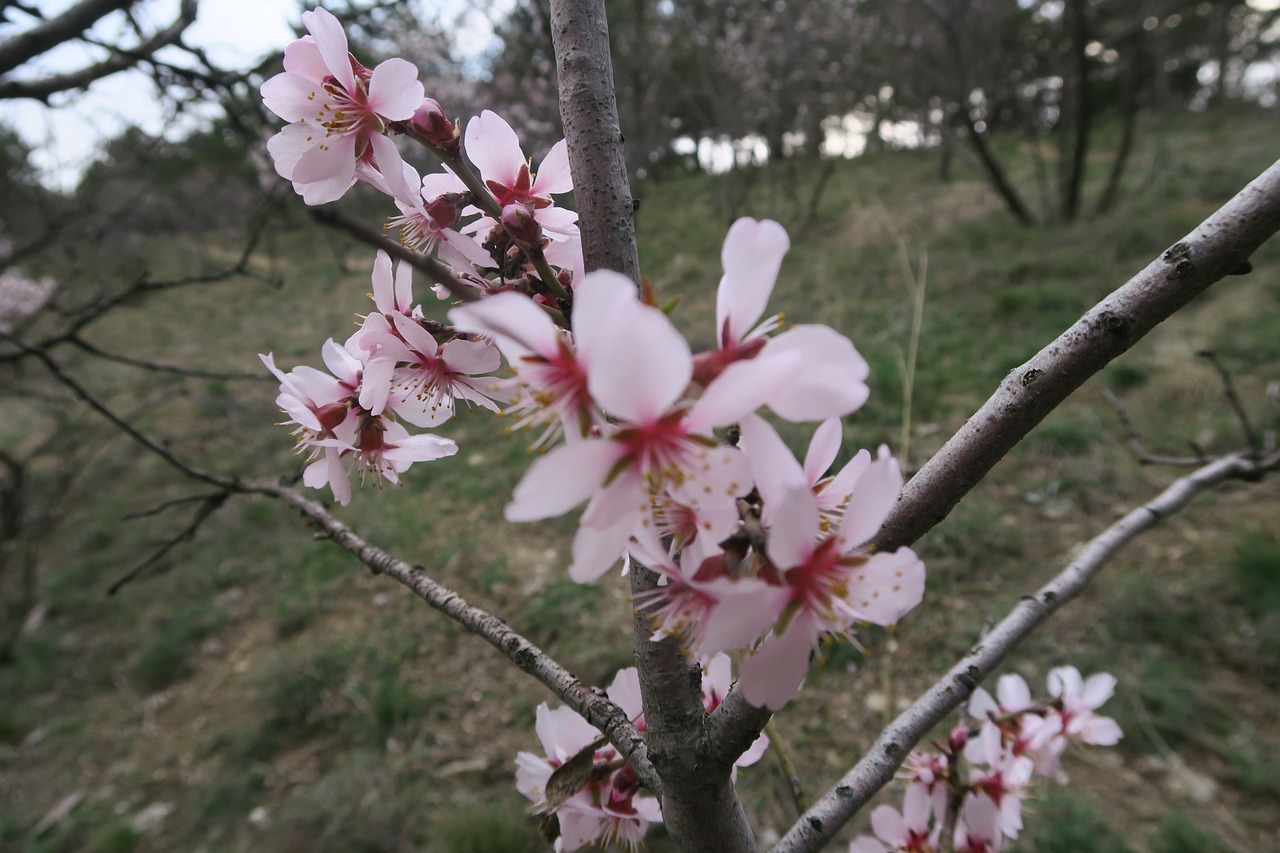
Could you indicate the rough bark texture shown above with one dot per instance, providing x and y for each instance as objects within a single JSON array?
[
  {"x": 819, "y": 824},
  {"x": 699, "y": 806},
  {"x": 1220, "y": 245},
  {"x": 580, "y": 36}
]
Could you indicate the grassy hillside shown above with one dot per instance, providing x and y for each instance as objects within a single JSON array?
[{"x": 263, "y": 692}]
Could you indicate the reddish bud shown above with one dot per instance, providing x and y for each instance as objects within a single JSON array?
[
  {"x": 445, "y": 210},
  {"x": 431, "y": 122},
  {"x": 521, "y": 225},
  {"x": 957, "y": 739}
]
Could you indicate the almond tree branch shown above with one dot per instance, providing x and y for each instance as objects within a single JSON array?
[
  {"x": 591, "y": 703},
  {"x": 818, "y": 825},
  {"x": 119, "y": 59},
  {"x": 438, "y": 272},
  {"x": 601, "y": 188},
  {"x": 53, "y": 32},
  {"x": 1218, "y": 246}
]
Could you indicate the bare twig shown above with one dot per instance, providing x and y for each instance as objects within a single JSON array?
[
  {"x": 52, "y": 32},
  {"x": 1134, "y": 441},
  {"x": 90, "y": 399},
  {"x": 438, "y": 272},
  {"x": 787, "y": 765},
  {"x": 1229, "y": 391},
  {"x": 891, "y": 748},
  {"x": 118, "y": 60},
  {"x": 210, "y": 505},
  {"x": 193, "y": 372},
  {"x": 591, "y": 703}
]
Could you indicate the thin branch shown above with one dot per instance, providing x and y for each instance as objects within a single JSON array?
[
  {"x": 90, "y": 399},
  {"x": 787, "y": 765},
  {"x": 438, "y": 272},
  {"x": 195, "y": 373},
  {"x": 210, "y": 505},
  {"x": 1229, "y": 391},
  {"x": 54, "y": 31},
  {"x": 1134, "y": 441},
  {"x": 165, "y": 506},
  {"x": 591, "y": 703},
  {"x": 119, "y": 59},
  {"x": 1219, "y": 245},
  {"x": 877, "y": 767}
]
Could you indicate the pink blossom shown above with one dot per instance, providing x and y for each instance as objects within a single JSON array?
[
  {"x": 977, "y": 827},
  {"x": 907, "y": 832},
  {"x": 825, "y": 375},
  {"x": 831, "y": 581},
  {"x": 548, "y": 367},
  {"x": 609, "y": 809},
  {"x": 495, "y": 150},
  {"x": 339, "y": 111},
  {"x": 637, "y": 369},
  {"x": 1005, "y": 778}
]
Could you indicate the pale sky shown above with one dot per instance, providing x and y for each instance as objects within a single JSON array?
[{"x": 236, "y": 34}]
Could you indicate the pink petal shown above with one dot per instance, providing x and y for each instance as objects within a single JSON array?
[
  {"x": 1065, "y": 681},
  {"x": 383, "y": 289},
  {"x": 391, "y": 166},
  {"x": 743, "y": 387},
  {"x": 746, "y": 609},
  {"x": 752, "y": 255},
  {"x": 774, "y": 469},
  {"x": 625, "y": 692},
  {"x": 302, "y": 57},
  {"x": 561, "y": 480},
  {"x": 823, "y": 448},
  {"x": 832, "y": 383},
  {"x": 795, "y": 527},
  {"x": 873, "y": 497},
  {"x": 470, "y": 357},
  {"x": 331, "y": 41},
  {"x": 553, "y": 173},
  {"x": 394, "y": 89},
  {"x": 771, "y": 676},
  {"x": 340, "y": 361},
  {"x": 494, "y": 148},
  {"x": 1013, "y": 692},
  {"x": 1102, "y": 731},
  {"x": 291, "y": 96},
  {"x": 886, "y": 587},
  {"x": 375, "y": 385},
  {"x": 414, "y": 335},
  {"x": 888, "y": 825},
  {"x": 639, "y": 370},
  {"x": 288, "y": 146},
  {"x": 324, "y": 173},
  {"x": 606, "y": 527},
  {"x": 1098, "y": 688},
  {"x": 420, "y": 448},
  {"x": 519, "y": 327}
]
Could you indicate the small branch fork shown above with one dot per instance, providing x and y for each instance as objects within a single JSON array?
[{"x": 876, "y": 769}]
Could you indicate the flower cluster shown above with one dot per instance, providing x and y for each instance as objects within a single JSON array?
[
  {"x": 1013, "y": 739},
  {"x": 665, "y": 446},
  {"x": 583, "y": 787}
]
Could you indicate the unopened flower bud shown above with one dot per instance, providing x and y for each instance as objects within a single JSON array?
[
  {"x": 431, "y": 122},
  {"x": 445, "y": 210},
  {"x": 957, "y": 739},
  {"x": 520, "y": 224}
]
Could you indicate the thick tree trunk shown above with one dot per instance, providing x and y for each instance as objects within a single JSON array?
[{"x": 699, "y": 805}]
